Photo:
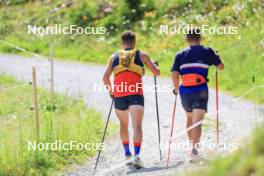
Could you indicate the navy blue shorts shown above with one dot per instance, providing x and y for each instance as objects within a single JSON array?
[
  {"x": 123, "y": 103},
  {"x": 198, "y": 100}
]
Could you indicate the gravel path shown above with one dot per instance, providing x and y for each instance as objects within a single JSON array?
[{"x": 74, "y": 79}]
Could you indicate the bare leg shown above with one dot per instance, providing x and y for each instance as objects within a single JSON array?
[
  {"x": 123, "y": 117},
  {"x": 137, "y": 113},
  {"x": 198, "y": 115},
  {"x": 188, "y": 124}
]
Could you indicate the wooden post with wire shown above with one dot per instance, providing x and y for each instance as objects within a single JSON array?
[
  {"x": 51, "y": 72},
  {"x": 35, "y": 98}
]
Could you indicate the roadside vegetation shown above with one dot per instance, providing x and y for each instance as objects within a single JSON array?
[
  {"x": 248, "y": 160},
  {"x": 70, "y": 121}
]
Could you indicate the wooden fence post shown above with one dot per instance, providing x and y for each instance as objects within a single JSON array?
[
  {"x": 35, "y": 98},
  {"x": 255, "y": 100},
  {"x": 51, "y": 71}
]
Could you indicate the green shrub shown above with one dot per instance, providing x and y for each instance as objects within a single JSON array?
[{"x": 83, "y": 16}]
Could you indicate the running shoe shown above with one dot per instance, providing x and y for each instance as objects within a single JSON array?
[
  {"x": 129, "y": 160},
  {"x": 137, "y": 164},
  {"x": 195, "y": 158}
]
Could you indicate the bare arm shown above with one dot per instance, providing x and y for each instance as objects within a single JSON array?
[
  {"x": 176, "y": 80},
  {"x": 152, "y": 67},
  {"x": 107, "y": 74}
]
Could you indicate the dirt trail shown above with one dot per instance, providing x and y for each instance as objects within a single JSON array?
[{"x": 236, "y": 116}]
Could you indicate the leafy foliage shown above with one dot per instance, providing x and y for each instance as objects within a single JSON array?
[{"x": 242, "y": 51}]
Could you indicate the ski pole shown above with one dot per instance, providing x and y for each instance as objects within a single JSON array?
[
  {"x": 157, "y": 111},
  {"x": 172, "y": 126},
  {"x": 106, "y": 125},
  {"x": 217, "y": 106}
]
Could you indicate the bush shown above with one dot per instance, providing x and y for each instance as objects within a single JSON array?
[
  {"x": 126, "y": 14},
  {"x": 83, "y": 16}
]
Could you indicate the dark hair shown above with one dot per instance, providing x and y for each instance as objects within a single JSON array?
[
  {"x": 128, "y": 37},
  {"x": 194, "y": 34}
]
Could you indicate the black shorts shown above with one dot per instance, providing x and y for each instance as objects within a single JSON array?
[
  {"x": 123, "y": 103},
  {"x": 197, "y": 100}
]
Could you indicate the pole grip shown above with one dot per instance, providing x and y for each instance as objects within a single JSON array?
[{"x": 156, "y": 63}]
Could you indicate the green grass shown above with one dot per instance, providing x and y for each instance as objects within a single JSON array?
[
  {"x": 71, "y": 121},
  {"x": 243, "y": 53},
  {"x": 248, "y": 160}
]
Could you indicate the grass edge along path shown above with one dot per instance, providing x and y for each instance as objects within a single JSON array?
[
  {"x": 247, "y": 160},
  {"x": 70, "y": 121}
]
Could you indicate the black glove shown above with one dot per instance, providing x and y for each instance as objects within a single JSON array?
[
  {"x": 174, "y": 92},
  {"x": 156, "y": 63}
]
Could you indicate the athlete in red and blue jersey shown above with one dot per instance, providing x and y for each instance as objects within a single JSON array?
[
  {"x": 127, "y": 65},
  {"x": 121, "y": 80},
  {"x": 191, "y": 65}
]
